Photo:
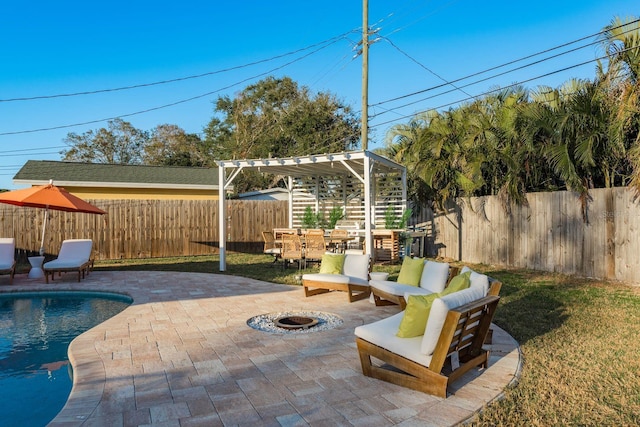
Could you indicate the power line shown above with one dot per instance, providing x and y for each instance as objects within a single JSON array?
[
  {"x": 22, "y": 150},
  {"x": 178, "y": 79},
  {"x": 173, "y": 103},
  {"x": 494, "y": 90},
  {"x": 510, "y": 63}
]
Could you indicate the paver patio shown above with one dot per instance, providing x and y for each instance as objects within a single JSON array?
[{"x": 183, "y": 355}]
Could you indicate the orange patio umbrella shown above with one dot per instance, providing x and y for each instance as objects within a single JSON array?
[{"x": 48, "y": 197}]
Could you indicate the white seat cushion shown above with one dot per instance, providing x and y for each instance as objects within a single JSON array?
[
  {"x": 434, "y": 276},
  {"x": 438, "y": 315},
  {"x": 358, "y": 281},
  {"x": 65, "y": 263},
  {"x": 324, "y": 277},
  {"x": 383, "y": 334},
  {"x": 395, "y": 288}
]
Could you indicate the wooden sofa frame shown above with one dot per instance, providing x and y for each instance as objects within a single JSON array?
[
  {"x": 354, "y": 292},
  {"x": 463, "y": 333}
]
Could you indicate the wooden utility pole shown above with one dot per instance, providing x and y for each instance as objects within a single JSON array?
[{"x": 364, "y": 132}]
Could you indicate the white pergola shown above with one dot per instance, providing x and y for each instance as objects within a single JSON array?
[{"x": 379, "y": 182}]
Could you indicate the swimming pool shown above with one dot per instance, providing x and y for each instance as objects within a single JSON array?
[{"x": 35, "y": 331}]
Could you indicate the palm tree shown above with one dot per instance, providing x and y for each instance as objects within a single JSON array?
[{"x": 621, "y": 42}]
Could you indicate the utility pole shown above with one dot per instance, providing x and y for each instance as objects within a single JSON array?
[{"x": 364, "y": 131}]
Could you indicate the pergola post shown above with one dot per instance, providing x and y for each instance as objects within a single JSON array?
[
  {"x": 222, "y": 220},
  {"x": 368, "y": 218}
]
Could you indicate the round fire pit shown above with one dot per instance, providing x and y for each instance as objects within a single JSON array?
[{"x": 295, "y": 322}]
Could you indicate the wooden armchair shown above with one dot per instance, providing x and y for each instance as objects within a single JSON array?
[{"x": 459, "y": 349}]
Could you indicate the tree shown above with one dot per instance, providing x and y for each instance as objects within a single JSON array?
[
  {"x": 276, "y": 118},
  {"x": 170, "y": 145},
  {"x": 119, "y": 143}
]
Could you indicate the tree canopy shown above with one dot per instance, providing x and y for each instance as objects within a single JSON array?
[
  {"x": 581, "y": 135},
  {"x": 277, "y": 118}
]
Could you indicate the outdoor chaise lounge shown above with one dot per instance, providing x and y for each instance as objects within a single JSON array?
[
  {"x": 340, "y": 272},
  {"x": 74, "y": 255},
  {"x": 451, "y": 345},
  {"x": 8, "y": 257}
]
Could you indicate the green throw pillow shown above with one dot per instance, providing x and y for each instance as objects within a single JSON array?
[
  {"x": 416, "y": 315},
  {"x": 458, "y": 283},
  {"x": 331, "y": 264},
  {"x": 411, "y": 271}
]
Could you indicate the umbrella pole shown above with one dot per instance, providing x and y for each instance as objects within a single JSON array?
[{"x": 44, "y": 227}]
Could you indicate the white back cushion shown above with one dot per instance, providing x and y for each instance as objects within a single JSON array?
[
  {"x": 438, "y": 315},
  {"x": 356, "y": 266},
  {"x": 7, "y": 252},
  {"x": 76, "y": 249},
  {"x": 480, "y": 281},
  {"x": 434, "y": 276},
  {"x": 477, "y": 280}
]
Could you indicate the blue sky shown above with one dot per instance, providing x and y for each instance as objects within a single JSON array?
[{"x": 53, "y": 48}]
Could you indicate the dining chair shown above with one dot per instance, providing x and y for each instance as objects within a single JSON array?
[
  {"x": 270, "y": 245},
  {"x": 338, "y": 239},
  {"x": 292, "y": 249},
  {"x": 315, "y": 245}
]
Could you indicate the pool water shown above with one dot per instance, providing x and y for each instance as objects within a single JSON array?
[{"x": 35, "y": 332}]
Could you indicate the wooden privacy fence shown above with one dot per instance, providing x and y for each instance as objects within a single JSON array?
[
  {"x": 145, "y": 228},
  {"x": 548, "y": 235}
]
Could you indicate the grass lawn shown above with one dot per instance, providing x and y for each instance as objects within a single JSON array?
[{"x": 579, "y": 340}]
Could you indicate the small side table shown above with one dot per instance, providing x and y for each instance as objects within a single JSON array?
[{"x": 36, "y": 271}]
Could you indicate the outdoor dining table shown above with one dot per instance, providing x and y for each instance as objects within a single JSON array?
[{"x": 340, "y": 243}]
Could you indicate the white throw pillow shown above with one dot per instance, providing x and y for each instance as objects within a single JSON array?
[
  {"x": 434, "y": 276},
  {"x": 438, "y": 315}
]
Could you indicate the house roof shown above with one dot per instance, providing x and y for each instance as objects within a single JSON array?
[
  {"x": 276, "y": 193},
  {"x": 38, "y": 172}
]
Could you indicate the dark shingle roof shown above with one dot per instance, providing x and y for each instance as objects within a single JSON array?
[{"x": 100, "y": 174}]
